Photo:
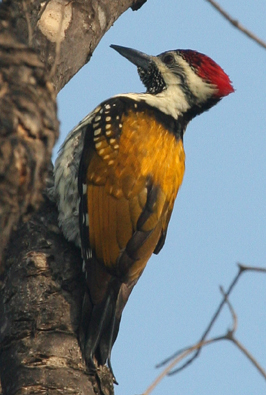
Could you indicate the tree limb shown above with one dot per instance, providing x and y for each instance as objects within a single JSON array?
[
  {"x": 84, "y": 23},
  {"x": 61, "y": 45},
  {"x": 182, "y": 354},
  {"x": 40, "y": 308},
  {"x": 28, "y": 129},
  {"x": 42, "y": 286},
  {"x": 237, "y": 24}
]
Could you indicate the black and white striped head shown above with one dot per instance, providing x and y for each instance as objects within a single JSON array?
[{"x": 186, "y": 78}]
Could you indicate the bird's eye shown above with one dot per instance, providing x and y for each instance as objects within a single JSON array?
[{"x": 168, "y": 59}]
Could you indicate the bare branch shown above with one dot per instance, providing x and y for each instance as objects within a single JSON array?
[
  {"x": 205, "y": 334},
  {"x": 251, "y": 268},
  {"x": 242, "y": 268},
  {"x": 51, "y": 361},
  {"x": 248, "y": 355},
  {"x": 185, "y": 352},
  {"x": 230, "y": 333},
  {"x": 181, "y": 355},
  {"x": 232, "y": 311},
  {"x": 237, "y": 24}
]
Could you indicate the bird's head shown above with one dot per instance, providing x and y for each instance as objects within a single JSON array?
[{"x": 185, "y": 81}]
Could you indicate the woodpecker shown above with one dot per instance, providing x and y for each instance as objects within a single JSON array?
[{"x": 117, "y": 176}]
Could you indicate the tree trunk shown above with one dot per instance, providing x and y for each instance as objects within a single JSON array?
[{"x": 42, "y": 45}]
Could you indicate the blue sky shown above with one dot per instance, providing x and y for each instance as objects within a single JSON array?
[{"x": 220, "y": 212}]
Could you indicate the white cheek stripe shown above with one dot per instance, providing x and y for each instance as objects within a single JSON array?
[{"x": 198, "y": 87}]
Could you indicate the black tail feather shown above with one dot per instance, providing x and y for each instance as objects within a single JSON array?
[{"x": 100, "y": 324}]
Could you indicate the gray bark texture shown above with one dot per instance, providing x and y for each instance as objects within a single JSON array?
[{"x": 43, "y": 43}]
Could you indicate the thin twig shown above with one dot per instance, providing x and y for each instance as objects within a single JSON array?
[
  {"x": 177, "y": 359},
  {"x": 185, "y": 352},
  {"x": 248, "y": 355},
  {"x": 214, "y": 318},
  {"x": 251, "y": 268},
  {"x": 228, "y": 336},
  {"x": 241, "y": 269},
  {"x": 237, "y": 24},
  {"x": 230, "y": 333},
  {"x": 232, "y": 311},
  {"x": 30, "y": 34},
  {"x": 181, "y": 354}
]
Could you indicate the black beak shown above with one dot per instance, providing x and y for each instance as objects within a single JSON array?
[{"x": 138, "y": 58}]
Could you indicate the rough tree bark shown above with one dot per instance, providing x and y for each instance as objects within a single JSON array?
[{"x": 42, "y": 45}]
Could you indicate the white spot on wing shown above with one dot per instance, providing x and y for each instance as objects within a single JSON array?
[
  {"x": 97, "y": 132},
  {"x": 87, "y": 219}
]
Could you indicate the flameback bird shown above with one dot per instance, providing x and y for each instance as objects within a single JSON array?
[{"x": 117, "y": 176}]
